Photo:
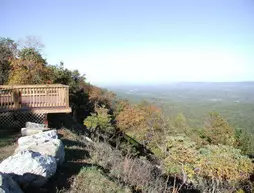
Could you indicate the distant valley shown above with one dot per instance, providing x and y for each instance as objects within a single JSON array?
[{"x": 233, "y": 100}]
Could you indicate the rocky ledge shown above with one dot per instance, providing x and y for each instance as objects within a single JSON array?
[{"x": 34, "y": 161}]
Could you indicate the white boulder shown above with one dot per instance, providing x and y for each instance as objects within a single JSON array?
[
  {"x": 35, "y": 125},
  {"x": 44, "y": 136},
  {"x": 52, "y": 147},
  {"x": 8, "y": 185},
  {"x": 33, "y": 128},
  {"x": 30, "y": 131},
  {"x": 29, "y": 168}
]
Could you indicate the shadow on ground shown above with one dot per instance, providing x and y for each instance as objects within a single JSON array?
[{"x": 75, "y": 156}]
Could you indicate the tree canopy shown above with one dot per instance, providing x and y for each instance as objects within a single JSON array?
[{"x": 8, "y": 50}]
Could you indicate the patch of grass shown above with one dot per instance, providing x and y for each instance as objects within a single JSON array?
[
  {"x": 137, "y": 173},
  {"x": 8, "y": 139},
  {"x": 7, "y": 145},
  {"x": 67, "y": 134},
  {"x": 6, "y": 151},
  {"x": 90, "y": 179}
]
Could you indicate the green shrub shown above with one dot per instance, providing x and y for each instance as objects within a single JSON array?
[
  {"x": 218, "y": 130},
  {"x": 245, "y": 142},
  {"x": 224, "y": 163},
  {"x": 182, "y": 156},
  {"x": 219, "y": 162},
  {"x": 99, "y": 119}
]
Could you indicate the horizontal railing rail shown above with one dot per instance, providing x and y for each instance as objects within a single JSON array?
[{"x": 34, "y": 96}]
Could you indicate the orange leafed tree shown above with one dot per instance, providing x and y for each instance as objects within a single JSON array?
[
  {"x": 29, "y": 68},
  {"x": 138, "y": 116}
]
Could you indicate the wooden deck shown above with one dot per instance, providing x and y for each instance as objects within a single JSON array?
[{"x": 52, "y": 98}]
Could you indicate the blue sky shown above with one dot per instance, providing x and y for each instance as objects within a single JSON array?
[{"x": 140, "y": 41}]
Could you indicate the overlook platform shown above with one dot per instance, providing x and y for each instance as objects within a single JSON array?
[
  {"x": 21, "y": 103},
  {"x": 52, "y": 98}
]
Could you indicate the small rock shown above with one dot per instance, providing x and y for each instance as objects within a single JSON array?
[
  {"x": 8, "y": 185},
  {"x": 88, "y": 139},
  {"x": 29, "y": 168}
]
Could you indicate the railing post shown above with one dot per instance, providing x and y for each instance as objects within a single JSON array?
[
  {"x": 67, "y": 96},
  {"x": 16, "y": 98}
]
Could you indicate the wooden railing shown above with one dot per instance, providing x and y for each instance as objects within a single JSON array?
[{"x": 34, "y": 96}]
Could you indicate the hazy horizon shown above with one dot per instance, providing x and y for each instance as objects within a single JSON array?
[
  {"x": 140, "y": 42},
  {"x": 173, "y": 83}
]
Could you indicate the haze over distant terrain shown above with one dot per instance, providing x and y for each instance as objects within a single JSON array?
[
  {"x": 233, "y": 100},
  {"x": 134, "y": 42}
]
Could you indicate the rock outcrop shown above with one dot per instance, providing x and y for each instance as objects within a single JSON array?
[
  {"x": 33, "y": 128},
  {"x": 35, "y": 125},
  {"x": 40, "y": 137},
  {"x": 29, "y": 168},
  {"x": 34, "y": 161},
  {"x": 51, "y": 147},
  {"x": 31, "y": 131}
]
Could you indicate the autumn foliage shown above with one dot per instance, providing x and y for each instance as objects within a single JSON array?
[
  {"x": 207, "y": 153},
  {"x": 29, "y": 68}
]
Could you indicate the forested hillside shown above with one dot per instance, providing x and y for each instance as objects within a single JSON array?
[
  {"x": 138, "y": 146},
  {"x": 232, "y": 100}
]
